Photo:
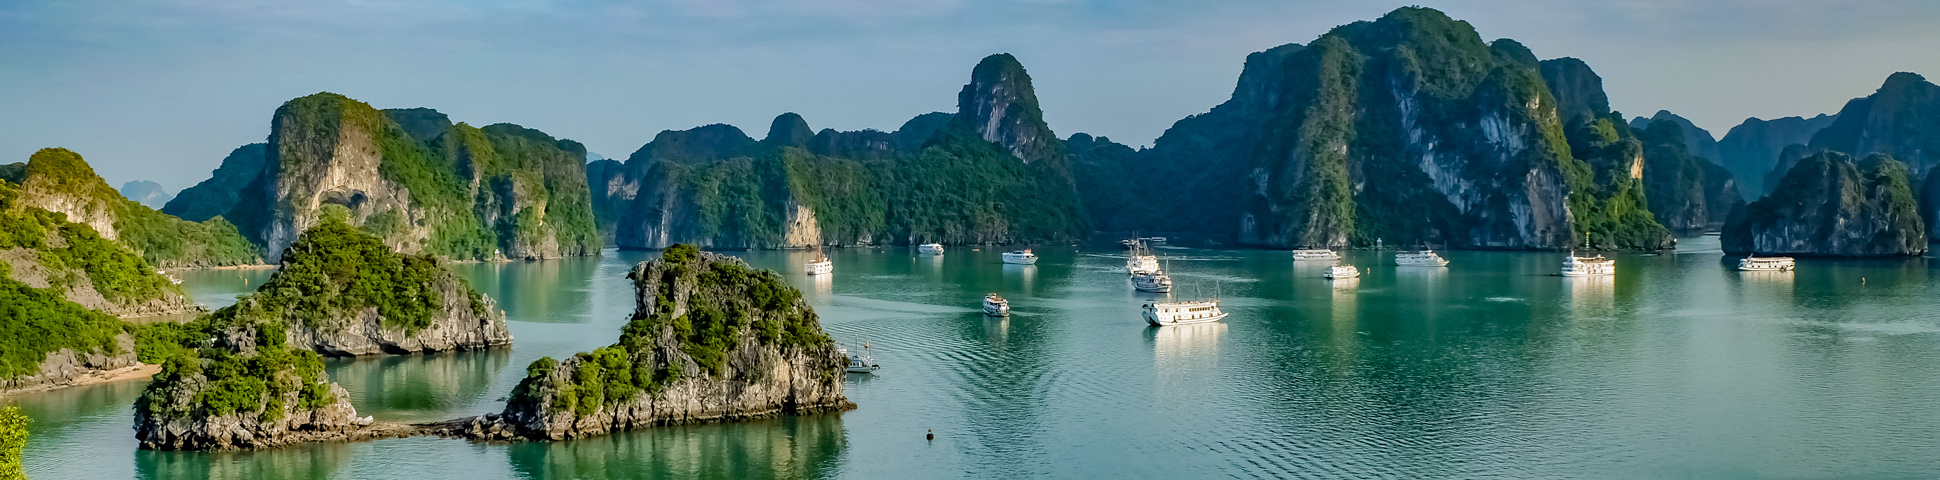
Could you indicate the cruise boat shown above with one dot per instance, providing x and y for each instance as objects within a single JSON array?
[
  {"x": 1155, "y": 281},
  {"x": 1342, "y": 272},
  {"x": 1141, "y": 260},
  {"x": 820, "y": 266},
  {"x": 1154, "y": 240},
  {"x": 862, "y": 362},
  {"x": 1021, "y": 257},
  {"x": 1597, "y": 266},
  {"x": 1419, "y": 258},
  {"x": 1767, "y": 264},
  {"x": 930, "y": 249},
  {"x": 1161, "y": 314},
  {"x": 996, "y": 306},
  {"x": 1315, "y": 254}
]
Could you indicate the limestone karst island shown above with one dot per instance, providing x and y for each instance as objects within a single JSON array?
[{"x": 335, "y": 239}]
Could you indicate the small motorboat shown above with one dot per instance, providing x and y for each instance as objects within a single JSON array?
[
  {"x": 861, "y": 362},
  {"x": 930, "y": 249}
]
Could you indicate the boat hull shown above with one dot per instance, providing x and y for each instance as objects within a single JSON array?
[
  {"x": 995, "y": 310},
  {"x": 1157, "y": 322}
]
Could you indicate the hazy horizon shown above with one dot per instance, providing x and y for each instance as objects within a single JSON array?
[{"x": 163, "y": 91}]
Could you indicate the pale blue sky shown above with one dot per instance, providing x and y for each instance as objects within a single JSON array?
[{"x": 162, "y": 89}]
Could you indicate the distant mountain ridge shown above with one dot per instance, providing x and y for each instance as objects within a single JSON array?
[{"x": 146, "y": 193}]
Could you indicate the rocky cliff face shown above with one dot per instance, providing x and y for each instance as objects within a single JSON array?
[
  {"x": 1751, "y": 149},
  {"x": 1001, "y": 106},
  {"x": 1698, "y": 141},
  {"x": 1688, "y": 195},
  {"x": 417, "y": 180},
  {"x": 1827, "y": 205},
  {"x": 1408, "y": 129},
  {"x": 67, "y": 366},
  {"x": 218, "y": 195},
  {"x": 59, "y": 180},
  {"x": 710, "y": 339},
  {"x": 341, "y": 292},
  {"x": 243, "y": 391},
  {"x": 992, "y": 173},
  {"x": 1902, "y": 119}
]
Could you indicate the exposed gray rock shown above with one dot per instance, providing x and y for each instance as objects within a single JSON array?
[{"x": 1830, "y": 206}]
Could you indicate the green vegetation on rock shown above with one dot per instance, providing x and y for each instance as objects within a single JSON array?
[
  {"x": 725, "y": 301},
  {"x": 35, "y": 322},
  {"x": 13, "y": 439},
  {"x": 1829, "y": 205},
  {"x": 234, "y": 367},
  {"x": 333, "y": 269}
]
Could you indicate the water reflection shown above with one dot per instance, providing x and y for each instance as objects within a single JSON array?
[
  {"x": 321, "y": 460},
  {"x": 1591, "y": 296},
  {"x": 552, "y": 291},
  {"x": 1024, "y": 276},
  {"x": 784, "y": 447},
  {"x": 420, "y": 387}
]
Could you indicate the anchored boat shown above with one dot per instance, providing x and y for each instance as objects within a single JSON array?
[
  {"x": 1312, "y": 254},
  {"x": 1140, "y": 259},
  {"x": 1419, "y": 258},
  {"x": 1767, "y": 264},
  {"x": 930, "y": 249},
  {"x": 820, "y": 266},
  {"x": 1020, "y": 257},
  {"x": 996, "y": 306},
  {"x": 1161, "y": 314},
  {"x": 862, "y": 362},
  {"x": 1575, "y": 266},
  {"x": 1154, "y": 281},
  {"x": 1341, "y": 272}
]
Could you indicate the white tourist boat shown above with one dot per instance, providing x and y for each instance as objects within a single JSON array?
[
  {"x": 1419, "y": 258},
  {"x": 1140, "y": 259},
  {"x": 996, "y": 306},
  {"x": 861, "y": 362},
  {"x": 1161, "y": 314},
  {"x": 1154, "y": 281},
  {"x": 820, "y": 266},
  {"x": 1154, "y": 240},
  {"x": 1597, "y": 266},
  {"x": 930, "y": 249},
  {"x": 1767, "y": 264},
  {"x": 1342, "y": 272},
  {"x": 1312, "y": 254},
  {"x": 1020, "y": 257}
]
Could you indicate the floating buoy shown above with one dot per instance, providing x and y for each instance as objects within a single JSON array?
[{"x": 931, "y": 436}]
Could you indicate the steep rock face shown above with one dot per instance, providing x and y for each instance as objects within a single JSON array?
[
  {"x": 242, "y": 391},
  {"x": 1001, "y": 106},
  {"x": 1697, "y": 141},
  {"x": 67, "y": 366},
  {"x": 59, "y": 180},
  {"x": 1577, "y": 88},
  {"x": 42, "y": 249},
  {"x": 939, "y": 178},
  {"x": 219, "y": 194},
  {"x": 1751, "y": 149},
  {"x": 147, "y": 193},
  {"x": 1408, "y": 129},
  {"x": 62, "y": 180},
  {"x": 711, "y": 339},
  {"x": 1901, "y": 119},
  {"x": 420, "y": 182},
  {"x": 1688, "y": 195},
  {"x": 341, "y": 292},
  {"x": 1829, "y": 206}
]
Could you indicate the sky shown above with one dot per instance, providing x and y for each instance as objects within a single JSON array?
[{"x": 162, "y": 89}]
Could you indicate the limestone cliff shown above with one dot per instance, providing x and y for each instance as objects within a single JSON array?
[
  {"x": 1689, "y": 195},
  {"x": 1000, "y": 104},
  {"x": 218, "y": 195},
  {"x": 342, "y": 292},
  {"x": 1408, "y": 129},
  {"x": 1750, "y": 149},
  {"x": 43, "y": 249},
  {"x": 1901, "y": 119},
  {"x": 242, "y": 390},
  {"x": 710, "y": 339},
  {"x": 418, "y": 181},
  {"x": 1830, "y": 206}
]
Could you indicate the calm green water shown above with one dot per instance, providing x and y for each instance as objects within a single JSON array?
[{"x": 1677, "y": 368}]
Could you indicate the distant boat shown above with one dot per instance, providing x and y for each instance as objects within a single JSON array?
[
  {"x": 1419, "y": 258},
  {"x": 1140, "y": 259},
  {"x": 1161, "y": 314},
  {"x": 930, "y": 249},
  {"x": 1341, "y": 272},
  {"x": 1154, "y": 240},
  {"x": 1575, "y": 266},
  {"x": 1312, "y": 254},
  {"x": 996, "y": 306},
  {"x": 1767, "y": 264},
  {"x": 1020, "y": 257},
  {"x": 861, "y": 362},
  {"x": 820, "y": 266},
  {"x": 1154, "y": 281}
]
